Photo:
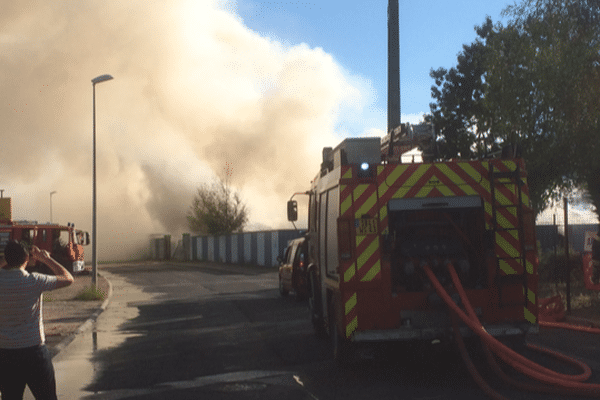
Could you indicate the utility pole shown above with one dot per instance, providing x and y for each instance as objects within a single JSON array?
[
  {"x": 95, "y": 81},
  {"x": 51, "y": 193},
  {"x": 568, "y": 266}
]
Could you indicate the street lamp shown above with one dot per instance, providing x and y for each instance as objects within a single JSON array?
[
  {"x": 98, "y": 79},
  {"x": 51, "y": 193}
]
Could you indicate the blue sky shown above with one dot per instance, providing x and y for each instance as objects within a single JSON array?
[
  {"x": 355, "y": 34},
  {"x": 432, "y": 33}
]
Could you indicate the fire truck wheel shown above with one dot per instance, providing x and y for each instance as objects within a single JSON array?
[
  {"x": 342, "y": 351},
  {"x": 314, "y": 306},
  {"x": 282, "y": 290},
  {"x": 299, "y": 295}
]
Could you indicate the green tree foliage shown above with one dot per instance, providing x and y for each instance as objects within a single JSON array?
[
  {"x": 544, "y": 90},
  {"x": 217, "y": 211},
  {"x": 534, "y": 82},
  {"x": 459, "y": 114}
]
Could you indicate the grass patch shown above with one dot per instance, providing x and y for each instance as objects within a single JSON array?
[{"x": 91, "y": 293}]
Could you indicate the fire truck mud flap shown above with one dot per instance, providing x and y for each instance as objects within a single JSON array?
[
  {"x": 347, "y": 353},
  {"x": 341, "y": 349},
  {"x": 315, "y": 306}
]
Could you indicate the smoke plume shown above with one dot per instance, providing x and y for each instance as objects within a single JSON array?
[{"x": 194, "y": 92}]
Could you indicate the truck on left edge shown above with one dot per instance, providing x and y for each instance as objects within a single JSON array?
[{"x": 64, "y": 243}]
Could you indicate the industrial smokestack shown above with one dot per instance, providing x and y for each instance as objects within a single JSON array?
[{"x": 393, "y": 71}]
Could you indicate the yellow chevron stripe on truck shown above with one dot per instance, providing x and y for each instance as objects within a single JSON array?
[
  {"x": 373, "y": 271},
  {"x": 345, "y": 203},
  {"x": 350, "y": 314}
]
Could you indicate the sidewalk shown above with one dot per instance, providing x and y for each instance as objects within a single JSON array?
[{"x": 63, "y": 315}]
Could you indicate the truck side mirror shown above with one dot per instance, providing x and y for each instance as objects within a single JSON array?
[
  {"x": 87, "y": 238},
  {"x": 292, "y": 210}
]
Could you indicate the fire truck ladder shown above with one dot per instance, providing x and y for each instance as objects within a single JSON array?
[{"x": 502, "y": 278}]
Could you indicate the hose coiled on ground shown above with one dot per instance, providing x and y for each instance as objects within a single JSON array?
[{"x": 562, "y": 383}]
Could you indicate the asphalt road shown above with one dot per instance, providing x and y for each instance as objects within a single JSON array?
[{"x": 203, "y": 331}]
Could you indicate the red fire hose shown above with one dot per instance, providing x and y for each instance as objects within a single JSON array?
[
  {"x": 569, "y": 326},
  {"x": 587, "y": 371},
  {"x": 570, "y": 384},
  {"x": 469, "y": 363},
  {"x": 492, "y": 361},
  {"x": 551, "y": 311}
]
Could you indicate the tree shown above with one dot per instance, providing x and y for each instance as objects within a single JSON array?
[
  {"x": 520, "y": 100},
  {"x": 459, "y": 115},
  {"x": 536, "y": 84},
  {"x": 544, "y": 91},
  {"x": 217, "y": 211}
]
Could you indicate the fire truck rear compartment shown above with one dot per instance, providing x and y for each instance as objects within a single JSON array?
[{"x": 435, "y": 232}]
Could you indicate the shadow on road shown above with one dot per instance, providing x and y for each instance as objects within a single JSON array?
[{"x": 182, "y": 340}]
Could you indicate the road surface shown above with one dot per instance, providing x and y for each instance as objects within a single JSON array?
[{"x": 190, "y": 331}]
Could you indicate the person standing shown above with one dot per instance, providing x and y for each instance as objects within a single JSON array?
[{"x": 24, "y": 358}]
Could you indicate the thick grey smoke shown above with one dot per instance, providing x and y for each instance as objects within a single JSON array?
[{"x": 194, "y": 91}]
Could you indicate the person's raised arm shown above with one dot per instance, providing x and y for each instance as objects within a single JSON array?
[{"x": 64, "y": 277}]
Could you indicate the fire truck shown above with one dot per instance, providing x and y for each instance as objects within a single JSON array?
[
  {"x": 374, "y": 223},
  {"x": 64, "y": 243},
  {"x": 382, "y": 235}
]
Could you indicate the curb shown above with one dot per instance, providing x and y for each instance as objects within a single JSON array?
[{"x": 87, "y": 324}]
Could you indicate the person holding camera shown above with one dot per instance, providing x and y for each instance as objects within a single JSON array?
[{"x": 24, "y": 358}]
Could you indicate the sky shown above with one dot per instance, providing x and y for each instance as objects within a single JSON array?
[
  {"x": 354, "y": 33},
  {"x": 250, "y": 90}
]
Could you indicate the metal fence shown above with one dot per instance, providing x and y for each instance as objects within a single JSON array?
[
  {"x": 160, "y": 247},
  {"x": 552, "y": 236},
  {"x": 263, "y": 248},
  {"x": 257, "y": 248}
]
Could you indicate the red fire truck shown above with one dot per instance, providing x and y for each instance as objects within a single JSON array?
[
  {"x": 64, "y": 243},
  {"x": 373, "y": 223}
]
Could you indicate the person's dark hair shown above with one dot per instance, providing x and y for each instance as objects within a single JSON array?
[{"x": 15, "y": 254}]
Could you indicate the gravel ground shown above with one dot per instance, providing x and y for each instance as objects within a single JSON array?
[{"x": 63, "y": 315}]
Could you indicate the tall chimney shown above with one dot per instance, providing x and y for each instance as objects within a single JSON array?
[{"x": 393, "y": 71}]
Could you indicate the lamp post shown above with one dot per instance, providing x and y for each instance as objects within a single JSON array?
[
  {"x": 98, "y": 79},
  {"x": 51, "y": 193}
]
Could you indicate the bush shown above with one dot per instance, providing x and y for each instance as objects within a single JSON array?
[
  {"x": 91, "y": 293},
  {"x": 553, "y": 268}
]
